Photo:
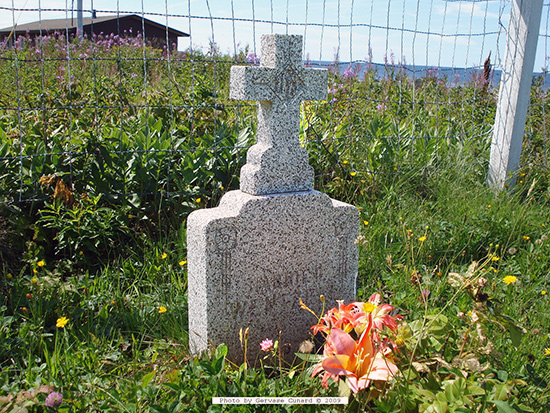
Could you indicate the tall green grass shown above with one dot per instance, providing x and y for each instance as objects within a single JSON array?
[{"x": 118, "y": 353}]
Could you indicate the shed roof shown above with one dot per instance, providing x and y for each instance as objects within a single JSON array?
[{"x": 71, "y": 23}]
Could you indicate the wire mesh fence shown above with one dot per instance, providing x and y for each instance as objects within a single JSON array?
[{"x": 133, "y": 109}]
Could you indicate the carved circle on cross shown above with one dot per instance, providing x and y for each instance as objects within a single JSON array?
[{"x": 226, "y": 239}]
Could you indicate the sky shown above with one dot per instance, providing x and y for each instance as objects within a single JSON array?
[{"x": 420, "y": 32}]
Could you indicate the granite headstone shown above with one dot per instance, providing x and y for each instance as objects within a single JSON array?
[{"x": 276, "y": 240}]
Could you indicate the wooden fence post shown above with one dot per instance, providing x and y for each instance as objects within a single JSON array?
[{"x": 513, "y": 97}]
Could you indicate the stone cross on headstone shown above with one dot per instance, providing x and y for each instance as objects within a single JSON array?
[
  {"x": 275, "y": 241},
  {"x": 277, "y": 163}
]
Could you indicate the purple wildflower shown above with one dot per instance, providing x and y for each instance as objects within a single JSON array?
[
  {"x": 348, "y": 73},
  {"x": 253, "y": 58},
  {"x": 54, "y": 399}
]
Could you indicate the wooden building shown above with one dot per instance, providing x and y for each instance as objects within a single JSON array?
[{"x": 129, "y": 25}]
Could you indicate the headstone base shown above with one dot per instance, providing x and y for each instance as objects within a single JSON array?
[{"x": 255, "y": 256}]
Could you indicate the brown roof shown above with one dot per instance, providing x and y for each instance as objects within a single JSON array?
[{"x": 71, "y": 23}]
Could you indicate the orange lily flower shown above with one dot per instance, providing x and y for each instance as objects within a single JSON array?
[
  {"x": 354, "y": 316},
  {"x": 358, "y": 361},
  {"x": 341, "y": 317},
  {"x": 380, "y": 313}
]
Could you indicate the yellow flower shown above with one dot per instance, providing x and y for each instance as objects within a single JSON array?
[
  {"x": 41, "y": 263},
  {"x": 9, "y": 276},
  {"x": 34, "y": 271},
  {"x": 510, "y": 279},
  {"x": 163, "y": 256},
  {"x": 526, "y": 238},
  {"x": 34, "y": 280},
  {"x": 366, "y": 223},
  {"x": 543, "y": 292},
  {"x": 495, "y": 258},
  {"x": 345, "y": 162},
  {"x": 547, "y": 351},
  {"x": 422, "y": 239},
  {"x": 489, "y": 206},
  {"x": 353, "y": 173},
  {"x": 182, "y": 263},
  {"x": 162, "y": 309},
  {"x": 198, "y": 200},
  {"x": 61, "y": 322}
]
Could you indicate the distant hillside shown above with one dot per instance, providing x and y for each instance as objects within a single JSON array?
[{"x": 452, "y": 75}]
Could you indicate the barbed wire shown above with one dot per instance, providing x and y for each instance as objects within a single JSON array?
[{"x": 274, "y": 22}]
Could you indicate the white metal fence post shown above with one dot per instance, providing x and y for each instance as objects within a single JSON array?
[{"x": 513, "y": 98}]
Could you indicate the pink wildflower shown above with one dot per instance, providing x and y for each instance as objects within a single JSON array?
[
  {"x": 266, "y": 345},
  {"x": 54, "y": 400}
]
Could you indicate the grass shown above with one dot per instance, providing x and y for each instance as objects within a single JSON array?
[
  {"x": 118, "y": 353},
  {"x": 469, "y": 339}
]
